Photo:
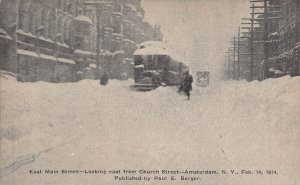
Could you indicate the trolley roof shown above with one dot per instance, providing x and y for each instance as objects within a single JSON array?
[{"x": 157, "y": 48}]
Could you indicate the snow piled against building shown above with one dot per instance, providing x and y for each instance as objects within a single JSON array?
[{"x": 232, "y": 125}]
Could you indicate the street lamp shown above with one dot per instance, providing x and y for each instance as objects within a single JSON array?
[{"x": 98, "y": 5}]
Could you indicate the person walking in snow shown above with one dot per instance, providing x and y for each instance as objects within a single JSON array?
[
  {"x": 187, "y": 84},
  {"x": 104, "y": 79}
]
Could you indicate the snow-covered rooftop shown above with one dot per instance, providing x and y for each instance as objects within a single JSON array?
[
  {"x": 157, "y": 48},
  {"x": 151, "y": 50}
]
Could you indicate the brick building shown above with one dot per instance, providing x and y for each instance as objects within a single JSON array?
[{"x": 57, "y": 40}]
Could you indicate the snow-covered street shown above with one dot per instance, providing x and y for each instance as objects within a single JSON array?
[{"x": 236, "y": 125}]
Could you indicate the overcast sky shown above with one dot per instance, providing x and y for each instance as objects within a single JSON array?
[{"x": 199, "y": 30}]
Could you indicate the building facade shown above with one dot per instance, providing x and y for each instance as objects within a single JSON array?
[
  {"x": 280, "y": 56},
  {"x": 288, "y": 30},
  {"x": 56, "y": 40}
]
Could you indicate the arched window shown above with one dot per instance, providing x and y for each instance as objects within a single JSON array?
[
  {"x": 44, "y": 22},
  {"x": 39, "y": 21},
  {"x": 7, "y": 13},
  {"x": 47, "y": 23},
  {"x": 91, "y": 43},
  {"x": 93, "y": 16},
  {"x": 67, "y": 39},
  {"x": 33, "y": 16},
  {"x": 52, "y": 25},
  {"x": 60, "y": 27}
]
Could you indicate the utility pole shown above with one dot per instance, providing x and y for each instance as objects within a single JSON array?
[
  {"x": 230, "y": 69},
  {"x": 266, "y": 19},
  {"x": 228, "y": 65},
  {"x": 232, "y": 54},
  {"x": 251, "y": 45},
  {"x": 234, "y": 57},
  {"x": 16, "y": 38},
  {"x": 252, "y": 30},
  {"x": 297, "y": 58},
  {"x": 252, "y": 39},
  {"x": 266, "y": 38},
  {"x": 238, "y": 55},
  {"x": 298, "y": 21},
  {"x": 231, "y": 60},
  {"x": 98, "y": 41}
]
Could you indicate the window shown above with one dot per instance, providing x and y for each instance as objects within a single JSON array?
[
  {"x": 32, "y": 19},
  {"x": 60, "y": 4},
  {"x": 60, "y": 28}
]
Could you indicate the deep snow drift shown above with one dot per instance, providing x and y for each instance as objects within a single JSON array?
[{"x": 230, "y": 125}]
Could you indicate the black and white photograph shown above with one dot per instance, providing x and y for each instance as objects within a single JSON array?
[{"x": 149, "y": 92}]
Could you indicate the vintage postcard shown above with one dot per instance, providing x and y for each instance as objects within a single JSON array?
[{"x": 146, "y": 92}]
